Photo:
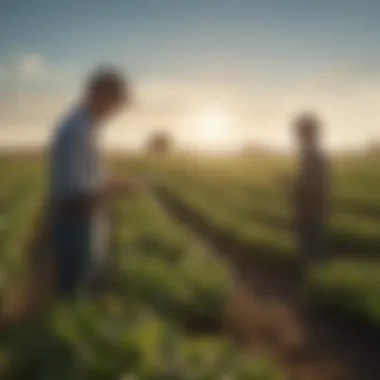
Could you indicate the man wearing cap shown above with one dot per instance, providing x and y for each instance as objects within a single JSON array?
[
  {"x": 310, "y": 190},
  {"x": 78, "y": 188}
]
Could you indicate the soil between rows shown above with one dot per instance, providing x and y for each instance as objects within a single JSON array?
[{"x": 268, "y": 311}]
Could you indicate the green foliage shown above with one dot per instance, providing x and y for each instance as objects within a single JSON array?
[
  {"x": 167, "y": 290},
  {"x": 160, "y": 281},
  {"x": 244, "y": 203},
  {"x": 352, "y": 286},
  {"x": 161, "y": 264}
]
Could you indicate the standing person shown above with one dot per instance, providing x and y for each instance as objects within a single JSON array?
[
  {"x": 78, "y": 187},
  {"x": 310, "y": 190},
  {"x": 69, "y": 240}
]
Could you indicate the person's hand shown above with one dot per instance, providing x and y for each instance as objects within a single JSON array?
[
  {"x": 129, "y": 186},
  {"x": 135, "y": 185}
]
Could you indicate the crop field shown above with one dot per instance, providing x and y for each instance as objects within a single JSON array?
[
  {"x": 249, "y": 209},
  {"x": 165, "y": 314}
]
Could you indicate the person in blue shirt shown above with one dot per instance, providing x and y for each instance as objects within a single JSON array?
[
  {"x": 79, "y": 190},
  {"x": 69, "y": 239}
]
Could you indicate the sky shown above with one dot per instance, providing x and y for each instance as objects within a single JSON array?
[{"x": 214, "y": 73}]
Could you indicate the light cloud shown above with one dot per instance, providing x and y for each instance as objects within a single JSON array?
[
  {"x": 32, "y": 111},
  {"x": 348, "y": 106},
  {"x": 31, "y": 66}
]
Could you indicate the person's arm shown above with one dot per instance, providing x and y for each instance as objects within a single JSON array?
[
  {"x": 124, "y": 187},
  {"x": 325, "y": 186},
  {"x": 83, "y": 203},
  {"x": 79, "y": 204}
]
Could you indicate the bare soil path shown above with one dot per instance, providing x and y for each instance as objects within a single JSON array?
[{"x": 269, "y": 312}]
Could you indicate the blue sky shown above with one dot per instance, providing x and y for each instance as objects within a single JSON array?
[{"x": 47, "y": 47}]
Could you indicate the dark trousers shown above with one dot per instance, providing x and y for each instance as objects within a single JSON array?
[
  {"x": 71, "y": 248},
  {"x": 311, "y": 236}
]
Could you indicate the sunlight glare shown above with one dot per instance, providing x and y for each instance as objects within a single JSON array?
[{"x": 214, "y": 128}]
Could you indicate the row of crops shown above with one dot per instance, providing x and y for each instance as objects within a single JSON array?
[
  {"x": 248, "y": 206},
  {"x": 20, "y": 195},
  {"x": 162, "y": 315}
]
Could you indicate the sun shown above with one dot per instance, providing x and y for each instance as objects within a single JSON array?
[
  {"x": 213, "y": 127},
  {"x": 213, "y": 121}
]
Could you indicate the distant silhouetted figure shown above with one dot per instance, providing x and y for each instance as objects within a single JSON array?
[
  {"x": 160, "y": 143},
  {"x": 310, "y": 190}
]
